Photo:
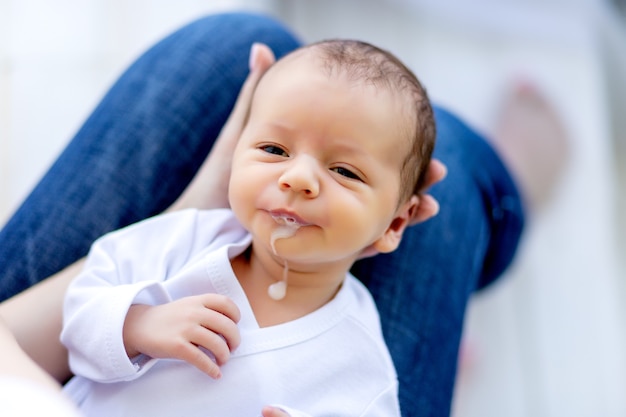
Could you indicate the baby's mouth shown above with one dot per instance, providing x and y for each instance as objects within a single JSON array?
[{"x": 288, "y": 219}]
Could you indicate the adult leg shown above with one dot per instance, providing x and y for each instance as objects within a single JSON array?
[
  {"x": 139, "y": 149},
  {"x": 422, "y": 288}
]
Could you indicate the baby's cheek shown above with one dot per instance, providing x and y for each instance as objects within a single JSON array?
[{"x": 356, "y": 228}]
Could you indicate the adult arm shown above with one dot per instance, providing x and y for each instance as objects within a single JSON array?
[
  {"x": 34, "y": 319},
  {"x": 16, "y": 364},
  {"x": 25, "y": 389}
]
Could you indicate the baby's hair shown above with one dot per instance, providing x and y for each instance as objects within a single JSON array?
[{"x": 361, "y": 61}]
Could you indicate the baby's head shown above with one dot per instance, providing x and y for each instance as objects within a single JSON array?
[
  {"x": 361, "y": 62},
  {"x": 339, "y": 136}
]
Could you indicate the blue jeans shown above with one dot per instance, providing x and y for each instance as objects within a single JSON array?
[{"x": 144, "y": 142}]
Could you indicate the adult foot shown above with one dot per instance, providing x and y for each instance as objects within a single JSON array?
[{"x": 532, "y": 141}]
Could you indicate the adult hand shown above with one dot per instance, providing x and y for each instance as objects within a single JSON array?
[
  {"x": 209, "y": 188},
  {"x": 429, "y": 207},
  {"x": 182, "y": 328}
]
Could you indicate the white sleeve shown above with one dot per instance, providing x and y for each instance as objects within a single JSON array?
[
  {"x": 123, "y": 268},
  {"x": 385, "y": 405}
]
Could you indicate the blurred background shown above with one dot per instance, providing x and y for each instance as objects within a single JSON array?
[{"x": 549, "y": 338}]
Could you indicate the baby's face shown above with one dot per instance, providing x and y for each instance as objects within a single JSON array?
[{"x": 324, "y": 151}]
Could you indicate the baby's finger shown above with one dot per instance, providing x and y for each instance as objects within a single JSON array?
[
  {"x": 221, "y": 304},
  {"x": 220, "y": 316},
  {"x": 193, "y": 355},
  {"x": 219, "y": 324},
  {"x": 213, "y": 343}
]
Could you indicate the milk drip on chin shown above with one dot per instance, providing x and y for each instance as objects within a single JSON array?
[{"x": 287, "y": 228}]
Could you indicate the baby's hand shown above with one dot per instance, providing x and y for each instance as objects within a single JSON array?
[
  {"x": 180, "y": 328},
  {"x": 269, "y": 411}
]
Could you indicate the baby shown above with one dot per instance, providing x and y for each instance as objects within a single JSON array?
[{"x": 222, "y": 312}]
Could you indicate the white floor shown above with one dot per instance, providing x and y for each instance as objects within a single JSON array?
[{"x": 548, "y": 340}]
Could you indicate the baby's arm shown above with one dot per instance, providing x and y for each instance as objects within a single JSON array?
[
  {"x": 125, "y": 268},
  {"x": 181, "y": 328},
  {"x": 94, "y": 311}
]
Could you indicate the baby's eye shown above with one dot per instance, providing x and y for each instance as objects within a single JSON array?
[
  {"x": 346, "y": 173},
  {"x": 274, "y": 150}
]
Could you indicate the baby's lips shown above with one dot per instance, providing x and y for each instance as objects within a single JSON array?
[
  {"x": 285, "y": 220},
  {"x": 288, "y": 219}
]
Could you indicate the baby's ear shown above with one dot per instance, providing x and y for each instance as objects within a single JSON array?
[{"x": 392, "y": 237}]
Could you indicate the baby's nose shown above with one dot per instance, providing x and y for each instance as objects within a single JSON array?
[{"x": 301, "y": 177}]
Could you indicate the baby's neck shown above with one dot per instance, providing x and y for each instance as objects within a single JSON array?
[{"x": 306, "y": 291}]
